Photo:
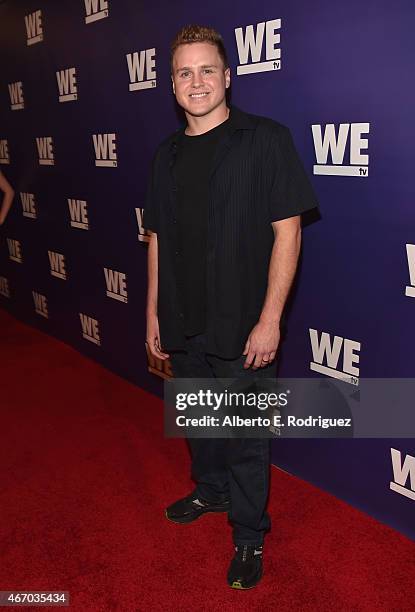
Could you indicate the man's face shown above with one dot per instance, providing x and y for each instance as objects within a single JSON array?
[{"x": 199, "y": 79}]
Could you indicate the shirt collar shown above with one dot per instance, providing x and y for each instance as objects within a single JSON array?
[{"x": 238, "y": 120}]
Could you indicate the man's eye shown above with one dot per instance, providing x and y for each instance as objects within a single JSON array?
[
  {"x": 184, "y": 74},
  {"x": 208, "y": 70}
]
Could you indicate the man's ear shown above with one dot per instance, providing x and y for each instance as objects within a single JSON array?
[
  {"x": 227, "y": 78},
  {"x": 172, "y": 82}
]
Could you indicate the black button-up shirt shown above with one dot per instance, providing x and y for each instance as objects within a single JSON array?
[{"x": 256, "y": 178}]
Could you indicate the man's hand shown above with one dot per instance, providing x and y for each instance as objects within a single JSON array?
[
  {"x": 262, "y": 345},
  {"x": 153, "y": 337}
]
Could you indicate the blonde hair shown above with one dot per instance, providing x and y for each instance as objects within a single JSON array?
[{"x": 197, "y": 33}]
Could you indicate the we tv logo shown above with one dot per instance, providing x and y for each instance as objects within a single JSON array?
[
  {"x": 41, "y": 304},
  {"x": 4, "y": 287},
  {"x": 137, "y": 63},
  {"x": 57, "y": 265},
  {"x": 15, "y": 250},
  {"x": 143, "y": 235},
  {"x": 95, "y": 10},
  {"x": 28, "y": 205},
  {"x": 326, "y": 356},
  {"x": 254, "y": 46},
  {"x": 78, "y": 212},
  {"x": 34, "y": 30},
  {"x": 402, "y": 473},
  {"x": 335, "y": 143},
  {"x": 16, "y": 95},
  {"x": 116, "y": 285},
  {"x": 410, "y": 253},
  {"x": 45, "y": 151},
  {"x": 90, "y": 329},
  {"x": 105, "y": 150},
  {"x": 67, "y": 88},
  {"x": 4, "y": 152}
]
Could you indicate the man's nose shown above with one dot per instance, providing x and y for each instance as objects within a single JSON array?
[{"x": 197, "y": 80}]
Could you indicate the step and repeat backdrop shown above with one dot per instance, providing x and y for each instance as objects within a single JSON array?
[{"x": 85, "y": 98}]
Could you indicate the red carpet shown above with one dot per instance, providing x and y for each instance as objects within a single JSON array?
[{"x": 86, "y": 473}]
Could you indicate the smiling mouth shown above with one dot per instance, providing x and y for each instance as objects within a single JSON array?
[{"x": 199, "y": 95}]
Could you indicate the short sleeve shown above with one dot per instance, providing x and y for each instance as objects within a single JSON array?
[
  {"x": 291, "y": 190},
  {"x": 150, "y": 213}
]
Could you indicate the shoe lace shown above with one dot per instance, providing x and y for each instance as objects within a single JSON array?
[{"x": 199, "y": 502}]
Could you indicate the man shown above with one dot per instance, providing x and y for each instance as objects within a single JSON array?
[{"x": 223, "y": 206}]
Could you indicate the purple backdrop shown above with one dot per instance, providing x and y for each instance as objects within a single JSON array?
[{"x": 85, "y": 98}]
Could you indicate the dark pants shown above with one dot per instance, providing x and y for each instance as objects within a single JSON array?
[{"x": 237, "y": 468}]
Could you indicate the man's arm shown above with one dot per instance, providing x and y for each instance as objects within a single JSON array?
[
  {"x": 263, "y": 341},
  {"x": 153, "y": 334}
]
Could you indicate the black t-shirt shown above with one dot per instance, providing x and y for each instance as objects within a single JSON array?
[
  {"x": 257, "y": 178},
  {"x": 192, "y": 170}
]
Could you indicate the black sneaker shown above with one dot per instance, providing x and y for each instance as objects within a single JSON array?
[
  {"x": 192, "y": 507},
  {"x": 245, "y": 570}
]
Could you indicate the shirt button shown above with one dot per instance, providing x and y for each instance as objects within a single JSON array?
[
  {"x": 177, "y": 252},
  {"x": 181, "y": 315},
  {"x": 174, "y": 220}
]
